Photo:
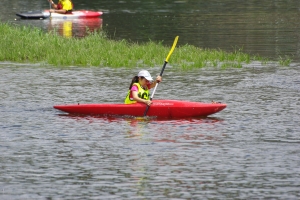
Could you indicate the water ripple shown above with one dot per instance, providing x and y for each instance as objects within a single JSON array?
[{"x": 250, "y": 149}]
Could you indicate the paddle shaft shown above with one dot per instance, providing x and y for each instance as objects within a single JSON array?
[
  {"x": 50, "y": 9},
  {"x": 162, "y": 71}
]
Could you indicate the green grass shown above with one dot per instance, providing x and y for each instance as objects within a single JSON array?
[{"x": 32, "y": 45}]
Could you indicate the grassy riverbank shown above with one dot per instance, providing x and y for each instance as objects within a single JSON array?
[{"x": 32, "y": 45}]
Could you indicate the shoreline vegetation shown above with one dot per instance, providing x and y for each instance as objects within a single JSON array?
[{"x": 25, "y": 44}]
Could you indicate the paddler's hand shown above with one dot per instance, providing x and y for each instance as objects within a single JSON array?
[
  {"x": 153, "y": 84},
  {"x": 158, "y": 79},
  {"x": 148, "y": 102}
]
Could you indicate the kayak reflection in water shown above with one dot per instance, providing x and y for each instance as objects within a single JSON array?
[
  {"x": 62, "y": 7},
  {"x": 139, "y": 88}
]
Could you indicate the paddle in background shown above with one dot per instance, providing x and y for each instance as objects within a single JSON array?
[
  {"x": 50, "y": 9},
  {"x": 162, "y": 71}
]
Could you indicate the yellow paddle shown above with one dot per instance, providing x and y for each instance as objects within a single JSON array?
[{"x": 162, "y": 71}]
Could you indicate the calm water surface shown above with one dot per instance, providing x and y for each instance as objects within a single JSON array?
[
  {"x": 250, "y": 150},
  {"x": 265, "y": 28}
]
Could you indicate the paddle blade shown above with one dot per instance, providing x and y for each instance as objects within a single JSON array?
[{"x": 172, "y": 49}]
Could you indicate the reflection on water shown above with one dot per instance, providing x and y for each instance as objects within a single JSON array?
[
  {"x": 162, "y": 126},
  {"x": 74, "y": 27},
  {"x": 170, "y": 130}
]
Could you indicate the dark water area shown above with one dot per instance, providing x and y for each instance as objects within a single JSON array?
[
  {"x": 266, "y": 28},
  {"x": 250, "y": 150}
]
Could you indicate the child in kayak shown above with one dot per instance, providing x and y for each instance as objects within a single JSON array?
[
  {"x": 62, "y": 7},
  {"x": 139, "y": 88}
]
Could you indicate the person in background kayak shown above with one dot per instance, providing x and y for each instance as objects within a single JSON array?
[
  {"x": 139, "y": 88},
  {"x": 62, "y": 7}
]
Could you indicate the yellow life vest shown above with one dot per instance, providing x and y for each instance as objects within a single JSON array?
[
  {"x": 142, "y": 93},
  {"x": 66, "y": 4}
]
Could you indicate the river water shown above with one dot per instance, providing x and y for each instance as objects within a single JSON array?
[
  {"x": 250, "y": 150},
  {"x": 265, "y": 28}
]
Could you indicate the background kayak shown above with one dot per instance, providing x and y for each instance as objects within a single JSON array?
[
  {"x": 79, "y": 14},
  {"x": 159, "y": 108}
]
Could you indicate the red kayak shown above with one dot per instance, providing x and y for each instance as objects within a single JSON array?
[
  {"x": 78, "y": 14},
  {"x": 159, "y": 108}
]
